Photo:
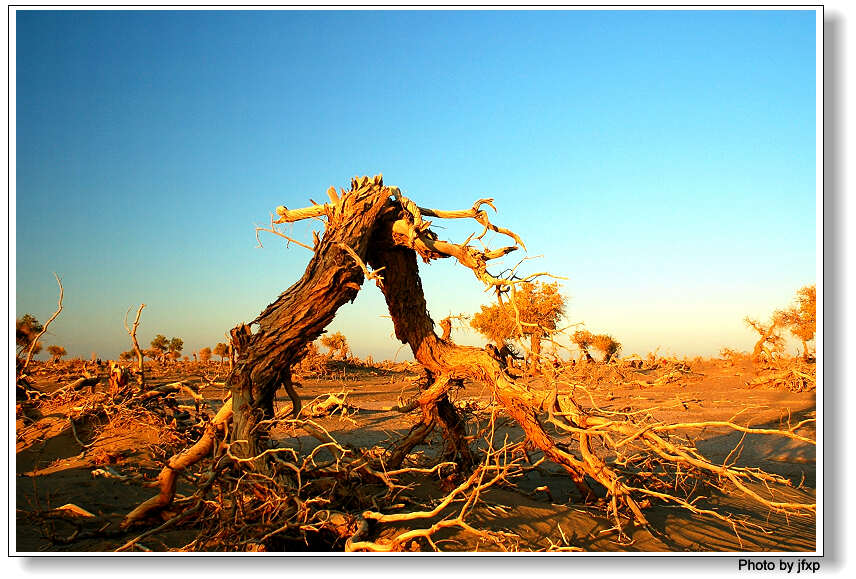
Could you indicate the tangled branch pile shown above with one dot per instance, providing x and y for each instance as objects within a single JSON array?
[{"x": 788, "y": 374}]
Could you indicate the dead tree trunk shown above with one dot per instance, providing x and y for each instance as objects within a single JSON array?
[
  {"x": 534, "y": 352},
  {"x": 132, "y": 331},
  {"x": 806, "y": 356},
  {"x": 446, "y": 326},
  {"x": 300, "y": 314},
  {"x": 767, "y": 335},
  {"x": 402, "y": 289}
]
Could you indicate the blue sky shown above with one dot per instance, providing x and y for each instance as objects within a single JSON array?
[{"x": 663, "y": 161}]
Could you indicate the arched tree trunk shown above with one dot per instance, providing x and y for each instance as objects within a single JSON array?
[
  {"x": 300, "y": 314},
  {"x": 382, "y": 233}
]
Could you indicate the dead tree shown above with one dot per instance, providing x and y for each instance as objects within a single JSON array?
[
  {"x": 769, "y": 341},
  {"x": 132, "y": 331},
  {"x": 375, "y": 225},
  {"x": 584, "y": 340}
]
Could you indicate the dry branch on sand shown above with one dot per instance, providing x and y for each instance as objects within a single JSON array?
[{"x": 267, "y": 494}]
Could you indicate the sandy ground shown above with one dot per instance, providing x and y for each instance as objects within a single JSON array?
[{"x": 540, "y": 510}]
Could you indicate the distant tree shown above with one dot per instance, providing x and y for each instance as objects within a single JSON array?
[
  {"x": 311, "y": 361},
  {"x": 606, "y": 344},
  {"x": 127, "y": 356},
  {"x": 584, "y": 339},
  {"x": 176, "y": 345},
  {"x": 205, "y": 354},
  {"x": 27, "y": 328},
  {"x": 801, "y": 318},
  {"x": 496, "y": 324},
  {"x": 221, "y": 350},
  {"x": 56, "y": 353},
  {"x": 337, "y": 344},
  {"x": 731, "y": 356},
  {"x": 160, "y": 345},
  {"x": 540, "y": 307}
]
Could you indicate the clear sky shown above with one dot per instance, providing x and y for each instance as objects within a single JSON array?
[{"x": 663, "y": 161}]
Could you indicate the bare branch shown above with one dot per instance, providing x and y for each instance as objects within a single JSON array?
[
  {"x": 474, "y": 213},
  {"x": 133, "y": 333},
  {"x": 45, "y": 327},
  {"x": 375, "y": 275},
  {"x": 275, "y": 231}
]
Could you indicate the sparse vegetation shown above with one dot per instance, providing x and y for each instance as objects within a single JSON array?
[
  {"x": 532, "y": 310},
  {"x": 27, "y": 327},
  {"x": 732, "y": 357},
  {"x": 56, "y": 352},
  {"x": 221, "y": 350},
  {"x": 176, "y": 345},
  {"x": 159, "y": 347},
  {"x": 608, "y": 346},
  {"x": 801, "y": 318},
  {"x": 337, "y": 345},
  {"x": 584, "y": 340},
  {"x": 770, "y": 343}
]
